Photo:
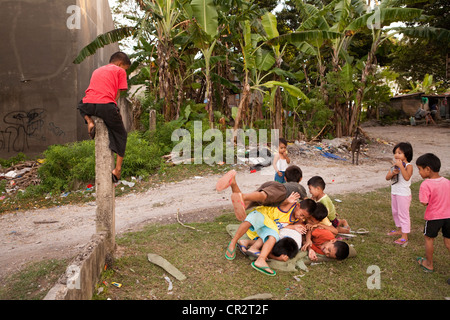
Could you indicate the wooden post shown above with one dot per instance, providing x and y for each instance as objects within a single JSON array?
[
  {"x": 152, "y": 120},
  {"x": 104, "y": 187}
]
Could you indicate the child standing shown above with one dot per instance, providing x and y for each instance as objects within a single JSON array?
[
  {"x": 281, "y": 161},
  {"x": 101, "y": 101},
  {"x": 434, "y": 193},
  {"x": 400, "y": 174}
]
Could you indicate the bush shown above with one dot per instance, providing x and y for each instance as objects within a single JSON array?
[{"x": 67, "y": 166}]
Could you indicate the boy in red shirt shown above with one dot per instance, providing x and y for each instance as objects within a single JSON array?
[
  {"x": 434, "y": 193},
  {"x": 101, "y": 101},
  {"x": 320, "y": 240}
]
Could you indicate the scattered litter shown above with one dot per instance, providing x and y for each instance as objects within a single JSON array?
[
  {"x": 297, "y": 278},
  {"x": 118, "y": 285},
  {"x": 63, "y": 195},
  {"x": 259, "y": 296},
  {"x": 100, "y": 290},
  {"x": 337, "y": 200},
  {"x": 166, "y": 265},
  {"x": 129, "y": 184},
  {"x": 169, "y": 289}
]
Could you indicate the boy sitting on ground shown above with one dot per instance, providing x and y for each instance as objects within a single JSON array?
[
  {"x": 320, "y": 240},
  {"x": 271, "y": 193}
]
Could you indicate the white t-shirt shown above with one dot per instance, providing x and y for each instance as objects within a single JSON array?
[
  {"x": 291, "y": 233},
  {"x": 282, "y": 165},
  {"x": 402, "y": 187}
]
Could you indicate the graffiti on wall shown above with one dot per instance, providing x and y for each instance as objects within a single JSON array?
[{"x": 20, "y": 128}]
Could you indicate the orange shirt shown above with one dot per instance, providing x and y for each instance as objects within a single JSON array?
[{"x": 319, "y": 237}]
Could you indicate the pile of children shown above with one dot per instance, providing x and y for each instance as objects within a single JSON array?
[{"x": 285, "y": 221}]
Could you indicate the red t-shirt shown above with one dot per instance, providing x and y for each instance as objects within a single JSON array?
[
  {"x": 319, "y": 237},
  {"x": 105, "y": 82}
]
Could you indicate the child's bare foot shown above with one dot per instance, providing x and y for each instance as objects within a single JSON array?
[
  {"x": 91, "y": 129},
  {"x": 225, "y": 181}
]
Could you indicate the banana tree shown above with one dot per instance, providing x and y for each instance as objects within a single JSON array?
[
  {"x": 206, "y": 18},
  {"x": 375, "y": 22},
  {"x": 259, "y": 64}
]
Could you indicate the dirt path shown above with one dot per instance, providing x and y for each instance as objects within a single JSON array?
[{"x": 61, "y": 231}]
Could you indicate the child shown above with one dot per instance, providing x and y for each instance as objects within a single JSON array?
[
  {"x": 320, "y": 240},
  {"x": 101, "y": 101},
  {"x": 271, "y": 193},
  {"x": 434, "y": 193},
  {"x": 400, "y": 175},
  {"x": 287, "y": 216},
  {"x": 316, "y": 187},
  {"x": 266, "y": 230},
  {"x": 281, "y": 161}
]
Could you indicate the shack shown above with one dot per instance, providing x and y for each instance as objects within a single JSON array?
[{"x": 408, "y": 104}]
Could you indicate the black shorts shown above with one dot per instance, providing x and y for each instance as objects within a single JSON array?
[
  {"x": 110, "y": 114},
  {"x": 432, "y": 228}
]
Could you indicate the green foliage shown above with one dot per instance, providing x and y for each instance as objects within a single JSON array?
[
  {"x": 67, "y": 166},
  {"x": 6, "y": 163},
  {"x": 141, "y": 158}
]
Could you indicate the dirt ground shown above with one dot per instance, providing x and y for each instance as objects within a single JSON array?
[{"x": 60, "y": 232}]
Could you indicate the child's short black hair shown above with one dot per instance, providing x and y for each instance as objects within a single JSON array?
[
  {"x": 342, "y": 250},
  {"x": 309, "y": 205},
  {"x": 293, "y": 173},
  {"x": 317, "y": 181},
  {"x": 407, "y": 149},
  {"x": 286, "y": 246},
  {"x": 320, "y": 213},
  {"x": 283, "y": 141},
  {"x": 120, "y": 57},
  {"x": 429, "y": 160}
]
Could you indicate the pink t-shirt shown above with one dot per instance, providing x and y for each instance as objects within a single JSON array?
[
  {"x": 105, "y": 82},
  {"x": 436, "y": 192}
]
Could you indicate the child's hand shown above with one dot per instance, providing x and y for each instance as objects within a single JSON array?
[
  {"x": 306, "y": 245},
  {"x": 311, "y": 227},
  {"x": 312, "y": 255},
  {"x": 294, "y": 196},
  {"x": 279, "y": 173},
  {"x": 300, "y": 228},
  {"x": 284, "y": 257}
]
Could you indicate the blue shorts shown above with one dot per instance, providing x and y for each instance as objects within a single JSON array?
[{"x": 256, "y": 220}]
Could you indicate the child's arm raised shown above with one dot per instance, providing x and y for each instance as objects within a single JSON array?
[{"x": 406, "y": 172}]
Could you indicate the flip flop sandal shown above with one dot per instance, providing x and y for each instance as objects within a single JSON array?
[
  {"x": 239, "y": 206},
  {"x": 241, "y": 248},
  {"x": 402, "y": 242},
  {"x": 360, "y": 231},
  {"x": 264, "y": 270},
  {"x": 420, "y": 262},
  {"x": 392, "y": 233},
  {"x": 253, "y": 254},
  {"x": 225, "y": 181},
  {"x": 232, "y": 252}
]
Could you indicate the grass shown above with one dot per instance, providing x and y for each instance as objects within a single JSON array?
[{"x": 199, "y": 254}]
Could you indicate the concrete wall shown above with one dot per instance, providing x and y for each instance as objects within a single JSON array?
[{"x": 39, "y": 85}]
